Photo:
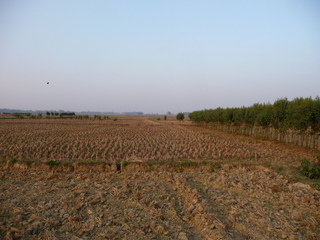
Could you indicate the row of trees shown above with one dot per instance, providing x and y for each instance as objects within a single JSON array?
[
  {"x": 39, "y": 115},
  {"x": 52, "y": 114},
  {"x": 29, "y": 115},
  {"x": 62, "y": 114},
  {"x": 299, "y": 114}
]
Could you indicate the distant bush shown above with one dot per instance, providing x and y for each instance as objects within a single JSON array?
[
  {"x": 67, "y": 114},
  {"x": 98, "y": 117},
  {"x": 180, "y": 116},
  {"x": 17, "y": 115}
]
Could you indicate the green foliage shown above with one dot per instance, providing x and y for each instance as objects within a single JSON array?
[
  {"x": 279, "y": 113},
  {"x": 180, "y": 116},
  {"x": 124, "y": 163},
  {"x": 52, "y": 163},
  {"x": 18, "y": 115},
  {"x": 299, "y": 114},
  {"x": 13, "y": 161},
  {"x": 204, "y": 162},
  {"x": 214, "y": 166},
  {"x": 188, "y": 163},
  {"x": 264, "y": 117},
  {"x": 98, "y": 117},
  {"x": 115, "y": 119},
  {"x": 165, "y": 117},
  {"x": 67, "y": 114},
  {"x": 316, "y": 186},
  {"x": 309, "y": 170}
]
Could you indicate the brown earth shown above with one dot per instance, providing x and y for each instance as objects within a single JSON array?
[{"x": 262, "y": 196}]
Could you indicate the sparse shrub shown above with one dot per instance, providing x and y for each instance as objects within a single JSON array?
[
  {"x": 279, "y": 169},
  {"x": 115, "y": 119},
  {"x": 29, "y": 162},
  {"x": 13, "y": 161},
  {"x": 316, "y": 186},
  {"x": 165, "y": 117},
  {"x": 214, "y": 166},
  {"x": 124, "y": 163},
  {"x": 52, "y": 163},
  {"x": 309, "y": 170},
  {"x": 204, "y": 162},
  {"x": 188, "y": 163}
]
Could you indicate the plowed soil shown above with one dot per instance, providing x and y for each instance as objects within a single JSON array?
[{"x": 235, "y": 187}]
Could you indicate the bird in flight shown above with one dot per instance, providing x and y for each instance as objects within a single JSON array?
[{"x": 47, "y": 82}]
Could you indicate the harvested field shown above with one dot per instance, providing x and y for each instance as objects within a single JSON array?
[
  {"x": 137, "y": 178},
  {"x": 127, "y": 139}
]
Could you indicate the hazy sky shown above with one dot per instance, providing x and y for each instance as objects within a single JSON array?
[{"x": 157, "y": 56}]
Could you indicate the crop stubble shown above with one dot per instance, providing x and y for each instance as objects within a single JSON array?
[{"x": 241, "y": 197}]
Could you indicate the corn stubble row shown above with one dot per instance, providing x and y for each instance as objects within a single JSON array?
[{"x": 76, "y": 140}]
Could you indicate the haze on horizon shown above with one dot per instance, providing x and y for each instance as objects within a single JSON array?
[{"x": 157, "y": 56}]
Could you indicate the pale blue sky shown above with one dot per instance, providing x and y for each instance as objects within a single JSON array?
[{"x": 156, "y": 56}]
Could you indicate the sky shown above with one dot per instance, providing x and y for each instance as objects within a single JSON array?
[{"x": 157, "y": 56}]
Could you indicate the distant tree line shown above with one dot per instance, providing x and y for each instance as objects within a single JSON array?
[
  {"x": 67, "y": 114},
  {"x": 299, "y": 114},
  {"x": 23, "y": 115}
]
